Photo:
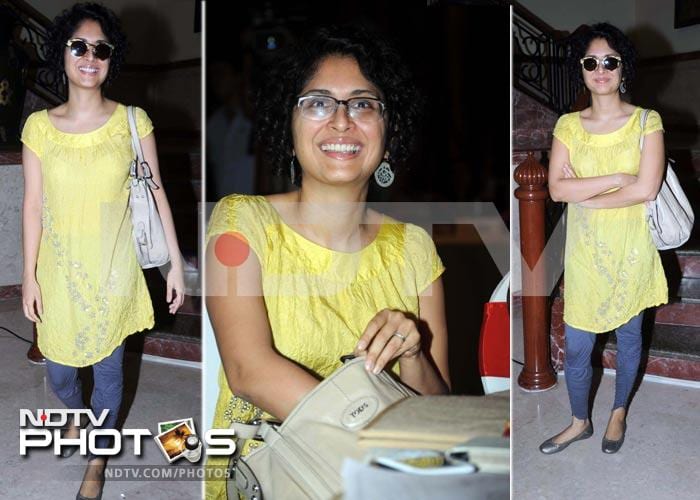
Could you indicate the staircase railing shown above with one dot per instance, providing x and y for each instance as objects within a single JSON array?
[
  {"x": 540, "y": 61},
  {"x": 29, "y": 34}
]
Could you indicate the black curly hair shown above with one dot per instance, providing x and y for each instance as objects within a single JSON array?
[
  {"x": 617, "y": 40},
  {"x": 379, "y": 62},
  {"x": 67, "y": 22}
]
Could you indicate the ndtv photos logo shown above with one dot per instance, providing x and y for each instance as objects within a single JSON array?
[{"x": 42, "y": 428}]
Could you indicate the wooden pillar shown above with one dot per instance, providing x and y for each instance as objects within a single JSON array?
[{"x": 537, "y": 373}]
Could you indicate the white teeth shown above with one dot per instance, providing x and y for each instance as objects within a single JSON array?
[
  {"x": 89, "y": 70},
  {"x": 341, "y": 148}
]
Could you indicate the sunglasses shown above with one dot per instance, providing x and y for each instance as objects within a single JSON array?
[
  {"x": 101, "y": 50},
  {"x": 610, "y": 63}
]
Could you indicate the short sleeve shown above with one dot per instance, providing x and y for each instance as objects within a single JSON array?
[
  {"x": 143, "y": 122},
  {"x": 239, "y": 215},
  {"x": 653, "y": 123},
  {"x": 424, "y": 259},
  {"x": 33, "y": 133},
  {"x": 562, "y": 130}
]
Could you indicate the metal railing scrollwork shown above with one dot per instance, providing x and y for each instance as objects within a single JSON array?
[
  {"x": 539, "y": 62},
  {"x": 28, "y": 35}
]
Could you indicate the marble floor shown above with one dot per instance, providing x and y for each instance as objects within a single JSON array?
[
  {"x": 660, "y": 458},
  {"x": 154, "y": 392}
]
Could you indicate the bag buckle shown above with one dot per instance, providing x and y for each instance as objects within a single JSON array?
[{"x": 244, "y": 480}]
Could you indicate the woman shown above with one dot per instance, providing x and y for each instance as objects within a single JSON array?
[
  {"x": 296, "y": 280},
  {"x": 82, "y": 284},
  {"x": 612, "y": 268}
]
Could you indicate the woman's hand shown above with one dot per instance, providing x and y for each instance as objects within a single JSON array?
[
  {"x": 31, "y": 300},
  {"x": 621, "y": 180},
  {"x": 626, "y": 179},
  {"x": 175, "y": 295},
  {"x": 569, "y": 172},
  {"x": 389, "y": 335}
]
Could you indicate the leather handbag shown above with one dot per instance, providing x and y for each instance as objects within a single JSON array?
[
  {"x": 670, "y": 215},
  {"x": 302, "y": 457},
  {"x": 148, "y": 233}
]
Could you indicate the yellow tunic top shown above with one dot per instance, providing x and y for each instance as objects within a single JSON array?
[
  {"x": 612, "y": 268},
  {"x": 319, "y": 301},
  {"x": 93, "y": 291}
]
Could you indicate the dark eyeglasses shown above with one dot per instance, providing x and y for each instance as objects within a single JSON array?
[
  {"x": 101, "y": 50},
  {"x": 320, "y": 107},
  {"x": 610, "y": 63}
]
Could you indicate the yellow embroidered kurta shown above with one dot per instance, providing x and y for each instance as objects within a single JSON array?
[
  {"x": 612, "y": 268},
  {"x": 319, "y": 301},
  {"x": 92, "y": 287}
]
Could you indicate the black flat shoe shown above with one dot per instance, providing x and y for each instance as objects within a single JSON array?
[
  {"x": 69, "y": 451},
  {"x": 549, "y": 447},
  {"x": 610, "y": 446},
  {"x": 78, "y": 496}
]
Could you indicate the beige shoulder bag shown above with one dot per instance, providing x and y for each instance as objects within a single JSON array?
[
  {"x": 670, "y": 215},
  {"x": 149, "y": 236},
  {"x": 302, "y": 458}
]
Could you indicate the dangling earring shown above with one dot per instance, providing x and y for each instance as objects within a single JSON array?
[
  {"x": 623, "y": 88},
  {"x": 292, "y": 171},
  {"x": 384, "y": 175}
]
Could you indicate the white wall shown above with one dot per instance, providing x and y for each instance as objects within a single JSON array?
[
  {"x": 655, "y": 19},
  {"x": 570, "y": 14},
  {"x": 159, "y": 31},
  {"x": 11, "y": 191},
  {"x": 648, "y": 22}
]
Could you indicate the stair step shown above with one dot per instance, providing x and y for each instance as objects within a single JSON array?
[
  {"x": 689, "y": 290},
  {"x": 679, "y": 313},
  {"x": 682, "y": 342},
  {"x": 172, "y": 346},
  {"x": 689, "y": 262},
  {"x": 192, "y": 306},
  {"x": 669, "y": 351},
  {"x": 662, "y": 364}
]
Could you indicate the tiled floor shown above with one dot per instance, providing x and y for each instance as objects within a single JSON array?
[
  {"x": 659, "y": 459},
  {"x": 156, "y": 392}
]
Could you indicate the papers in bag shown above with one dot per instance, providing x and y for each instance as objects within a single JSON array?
[
  {"x": 487, "y": 453},
  {"x": 437, "y": 422},
  {"x": 421, "y": 462}
]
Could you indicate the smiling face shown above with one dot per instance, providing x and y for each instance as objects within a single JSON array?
[
  {"x": 86, "y": 71},
  {"x": 602, "y": 81},
  {"x": 338, "y": 149}
]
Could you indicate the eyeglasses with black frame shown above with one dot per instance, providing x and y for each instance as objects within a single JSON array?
[
  {"x": 321, "y": 107},
  {"x": 610, "y": 63},
  {"x": 79, "y": 47}
]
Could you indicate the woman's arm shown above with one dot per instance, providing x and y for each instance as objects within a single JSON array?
[
  {"x": 254, "y": 370},
  {"x": 574, "y": 190},
  {"x": 426, "y": 373},
  {"x": 429, "y": 374},
  {"x": 646, "y": 187},
  {"x": 31, "y": 233},
  {"x": 175, "y": 279}
]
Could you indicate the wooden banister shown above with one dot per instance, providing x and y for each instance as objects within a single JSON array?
[{"x": 537, "y": 373}]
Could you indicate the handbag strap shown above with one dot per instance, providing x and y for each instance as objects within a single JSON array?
[
  {"x": 643, "y": 122},
  {"x": 138, "y": 153},
  {"x": 247, "y": 431}
]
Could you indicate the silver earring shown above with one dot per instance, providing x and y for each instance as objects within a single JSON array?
[
  {"x": 623, "y": 88},
  {"x": 384, "y": 175},
  {"x": 292, "y": 172}
]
